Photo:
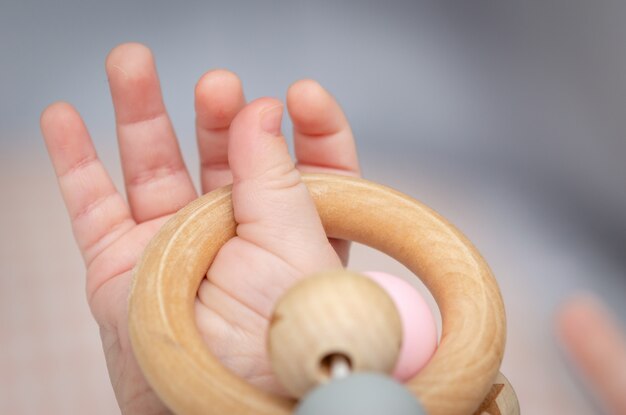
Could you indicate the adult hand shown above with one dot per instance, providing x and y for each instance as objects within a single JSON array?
[
  {"x": 596, "y": 345},
  {"x": 279, "y": 234}
]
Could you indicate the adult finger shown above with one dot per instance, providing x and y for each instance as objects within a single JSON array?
[
  {"x": 323, "y": 139},
  {"x": 98, "y": 212},
  {"x": 157, "y": 181},
  {"x": 218, "y": 98},
  {"x": 597, "y": 347}
]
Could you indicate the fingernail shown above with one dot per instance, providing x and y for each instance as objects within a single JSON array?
[{"x": 271, "y": 119}]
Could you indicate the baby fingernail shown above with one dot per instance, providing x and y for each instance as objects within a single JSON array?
[{"x": 271, "y": 119}]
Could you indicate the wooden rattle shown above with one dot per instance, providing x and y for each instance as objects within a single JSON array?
[{"x": 190, "y": 380}]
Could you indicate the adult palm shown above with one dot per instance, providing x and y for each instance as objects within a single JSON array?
[{"x": 279, "y": 235}]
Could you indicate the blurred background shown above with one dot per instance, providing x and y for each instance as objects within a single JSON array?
[{"x": 506, "y": 117}]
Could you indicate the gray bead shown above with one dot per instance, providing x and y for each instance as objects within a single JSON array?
[{"x": 360, "y": 394}]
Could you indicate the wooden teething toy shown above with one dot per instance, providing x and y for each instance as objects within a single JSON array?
[{"x": 190, "y": 380}]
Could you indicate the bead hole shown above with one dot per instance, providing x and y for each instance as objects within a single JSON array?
[{"x": 335, "y": 365}]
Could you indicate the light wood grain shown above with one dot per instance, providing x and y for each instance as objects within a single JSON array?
[
  {"x": 336, "y": 312},
  {"x": 501, "y": 399},
  {"x": 190, "y": 380}
]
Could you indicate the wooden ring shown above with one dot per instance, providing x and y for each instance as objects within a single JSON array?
[{"x": 190, "y": 380}]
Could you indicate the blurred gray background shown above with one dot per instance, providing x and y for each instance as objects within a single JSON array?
[{"x": 507, "y": 117}]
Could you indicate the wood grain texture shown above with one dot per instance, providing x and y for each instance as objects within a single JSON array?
[
  {"x": 191, "y": 380},
  {"x": 501, "y": 399},
  {"x": 329, "y": 313}
]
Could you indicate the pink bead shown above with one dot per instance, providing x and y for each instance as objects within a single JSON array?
[{"x": 418, "y": 325}]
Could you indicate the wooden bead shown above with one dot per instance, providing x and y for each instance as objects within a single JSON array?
[
  {"x": 501, "y": 399},
  {"x": 332, "y": 313}
]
